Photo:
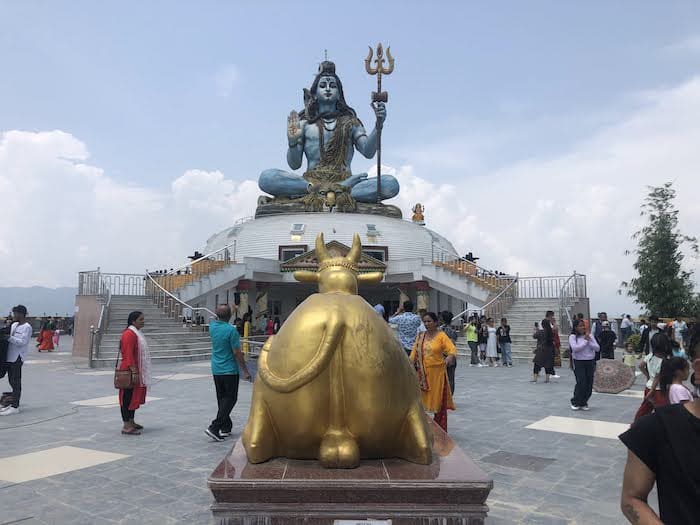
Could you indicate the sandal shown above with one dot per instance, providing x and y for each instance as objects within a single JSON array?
[{"x": 131, "y": 432}]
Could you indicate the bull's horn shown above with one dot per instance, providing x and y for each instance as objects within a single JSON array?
[
  {"x": 321, "y": 252},
  {"x": 356, "y": 250}
]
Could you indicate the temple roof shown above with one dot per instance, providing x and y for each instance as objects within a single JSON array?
[{"x": 263, "y": 237}]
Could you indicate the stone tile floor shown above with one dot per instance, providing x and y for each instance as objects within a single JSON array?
[{"x": 552, "y": 477}]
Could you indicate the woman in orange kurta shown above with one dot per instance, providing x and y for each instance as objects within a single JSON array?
[
  {"x": 135, "y": 357},
  {"x": 431, "y": 352},
  {"x": 45, "y": 339}
]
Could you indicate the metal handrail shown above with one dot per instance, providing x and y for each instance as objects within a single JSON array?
[
  {"x": 96, "y": 333},
  {"x": 563, "y": 296},
  {"x": 171, "y": 298},
  {"x": 492, "y": 301}
]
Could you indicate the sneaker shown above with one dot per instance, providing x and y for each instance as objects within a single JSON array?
[
  {"x": 225, "y": 434},
  {"x": 9, "y": 410},
  {"x": 510, "y": 365},
  {"x": 585, "y": 407},
  {"x": 480, "y": 365},
  {"x": 574, "y": 407},
  {"x": 214, "y": 434},
  {"x": 555, "y": 376}
]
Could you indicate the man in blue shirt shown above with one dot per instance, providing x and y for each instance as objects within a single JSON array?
[
  {"x": 225, "y": 344},
  {"x": 407, "y": 324}
]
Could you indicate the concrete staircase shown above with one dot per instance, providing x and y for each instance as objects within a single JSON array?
[
  {"x": 167, "y": 339},
  {"x": 522, "y": 316}
]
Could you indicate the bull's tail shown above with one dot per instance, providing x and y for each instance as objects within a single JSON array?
[{"x": 330, "y": 338}]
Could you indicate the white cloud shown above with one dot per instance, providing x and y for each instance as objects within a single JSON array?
[
  {"x": 690, "y": 44},
  {"x": 63, "y": 215},
  {"x": 574, "y": 211},
  {"x": 226, "y": 79}
]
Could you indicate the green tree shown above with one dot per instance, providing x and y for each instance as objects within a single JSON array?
[{"x": 662, "y": 285}]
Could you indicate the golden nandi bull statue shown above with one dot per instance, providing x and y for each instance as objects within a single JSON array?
[{"x": 334, "y": 384}]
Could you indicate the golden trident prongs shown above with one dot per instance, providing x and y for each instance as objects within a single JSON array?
[
  {"x": 379, "y": 70},
  {"x": 379, "y": 96}
]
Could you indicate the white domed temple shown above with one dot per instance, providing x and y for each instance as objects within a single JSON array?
[{"x": 256, "y": 258}]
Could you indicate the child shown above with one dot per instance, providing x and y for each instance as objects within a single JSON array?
[
  {"x": 673, "y": 372},
  {"x": 629, "y": 359},
  {"x": 651, "y": 368}
]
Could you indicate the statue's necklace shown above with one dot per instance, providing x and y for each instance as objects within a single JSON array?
[{"x": 331, "y": 122}]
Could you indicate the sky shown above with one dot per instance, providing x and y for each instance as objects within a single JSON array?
[{"x": 132, "y": 131}]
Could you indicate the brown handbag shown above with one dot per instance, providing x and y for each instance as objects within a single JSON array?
[{"x": 123, "y": 379}]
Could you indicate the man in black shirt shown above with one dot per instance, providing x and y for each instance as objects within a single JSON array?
[
  {"x": 606, "y": 341},
  {"x": 664, "y": 447}
]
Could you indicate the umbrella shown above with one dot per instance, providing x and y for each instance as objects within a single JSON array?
[{"x": 612, "y": 377}]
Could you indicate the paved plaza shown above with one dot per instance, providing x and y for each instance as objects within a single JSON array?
[{"x": 64, "y": 461}]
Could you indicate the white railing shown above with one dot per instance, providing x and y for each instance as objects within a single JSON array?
[
  {"x": 171, "y": 305},
  {"x": 573, "y": 289},
  {"x": 95, "y": 282},
  {"x": 547, "y": 287},
  {"x": 96, "y": 333}
]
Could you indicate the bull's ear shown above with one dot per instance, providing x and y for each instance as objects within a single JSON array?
[
  {"x": 370, "y": 278},
  {"x": 304, "y": 276}
]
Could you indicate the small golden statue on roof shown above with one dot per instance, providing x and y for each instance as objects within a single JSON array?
[{"x": 418, "y": 216}]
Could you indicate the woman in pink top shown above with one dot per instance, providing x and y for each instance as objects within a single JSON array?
[{"x": 673, "y": 372}]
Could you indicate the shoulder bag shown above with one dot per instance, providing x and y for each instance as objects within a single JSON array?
[{"x": 123, "y": 379}]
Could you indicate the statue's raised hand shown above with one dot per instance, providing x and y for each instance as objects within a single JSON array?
[
  {"x": 293, "y": 129},
  {"x": 380, "y": 112}
]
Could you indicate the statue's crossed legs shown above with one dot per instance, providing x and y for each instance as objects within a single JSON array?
[{"x": 281, "y": 183}]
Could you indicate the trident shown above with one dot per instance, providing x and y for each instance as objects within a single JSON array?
[{"x": 379, "y": 96}]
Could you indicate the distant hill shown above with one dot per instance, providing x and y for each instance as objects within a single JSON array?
[{"x": 39, "y": 300}]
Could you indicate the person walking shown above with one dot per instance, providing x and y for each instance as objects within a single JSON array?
[
  {"x": 45, "y": 339},
  {"x": 446, "y": 327},
  {"x": 584, "y": 348},
  {"x": 17, "y": 349},
  {"x": 137, "y": 358},
  {"x": 428, "y": 358},
  {"x": 473, "y": 342},
  {"x": 505, "y": 342},
  {"x": 408, "y": 325},
  {"x": 663, "y": 449},
  {"x": 225, "y": 344},
  {"x": 491, "y": 343},
  {"x": 544, "y": 353},
  {"x": 483, "y": 337}
]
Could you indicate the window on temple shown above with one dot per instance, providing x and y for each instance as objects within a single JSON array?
[
  {"x": 381, "y": 253},
  {"x": 289, "y": 252}
]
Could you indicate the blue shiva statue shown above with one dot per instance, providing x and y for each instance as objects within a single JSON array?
[{"x": 327, "y": 131}]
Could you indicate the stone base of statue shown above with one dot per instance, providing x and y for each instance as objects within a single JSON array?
[
  {"x": 453, "y": 489},
  {"x": 276, "y": 206}
]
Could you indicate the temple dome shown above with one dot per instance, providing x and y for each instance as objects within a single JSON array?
[{"x": 263, "y": 236}]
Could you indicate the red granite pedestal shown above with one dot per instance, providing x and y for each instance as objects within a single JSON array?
[{"x": 453, "y": 490}]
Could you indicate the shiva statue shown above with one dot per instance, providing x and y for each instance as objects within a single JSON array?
[{"x": 327, "y": 131}]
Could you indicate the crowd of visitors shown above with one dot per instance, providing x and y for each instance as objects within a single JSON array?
[{"x": 663, "y": 446}]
